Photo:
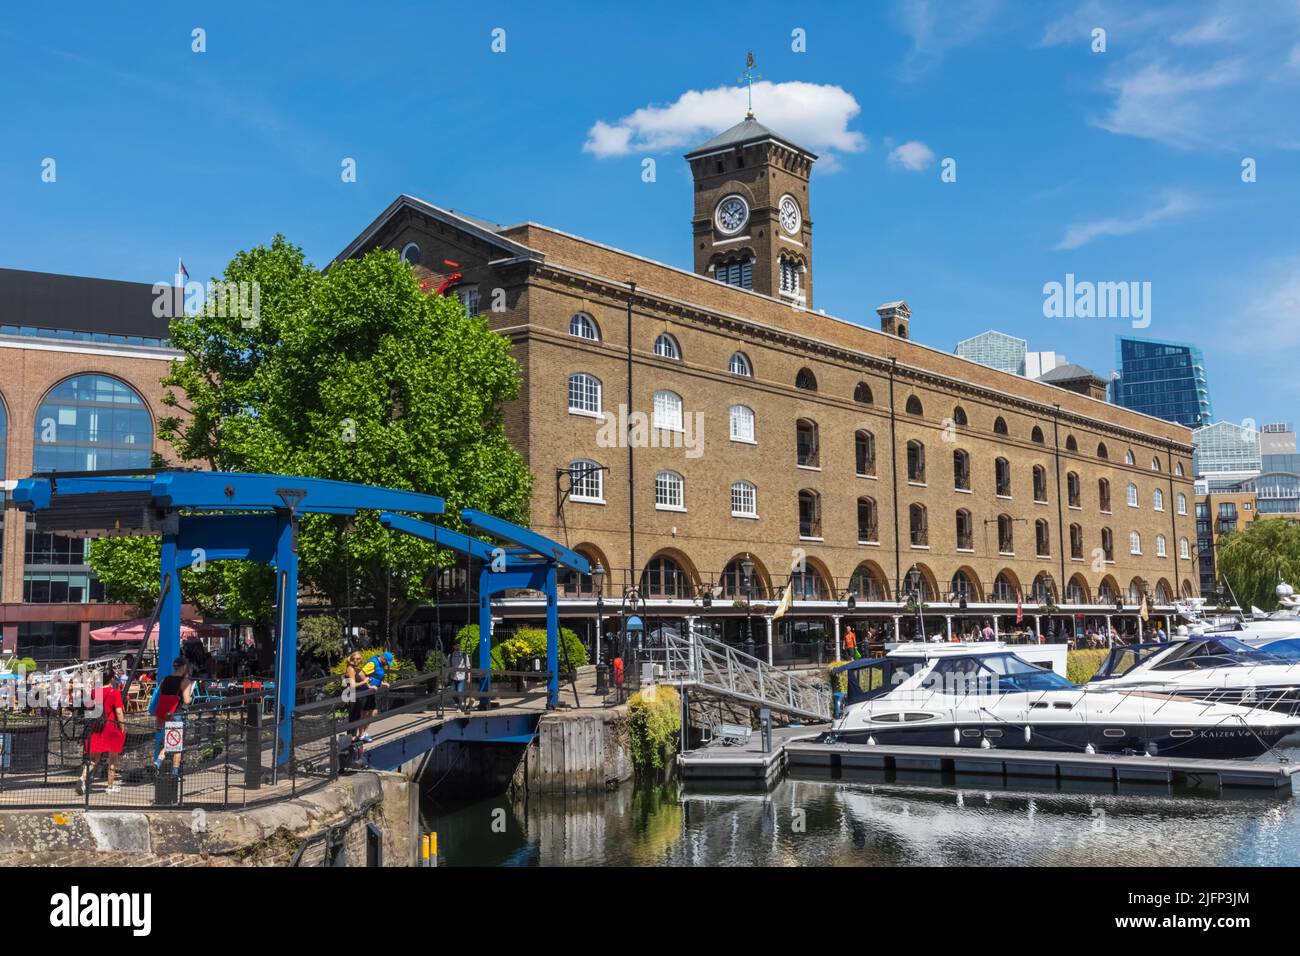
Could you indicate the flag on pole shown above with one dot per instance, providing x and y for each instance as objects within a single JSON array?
[
  {"x": 786, "y": 598},
  {"x": 181, "y": 271},
  {"x": 1020, "y": 608}
]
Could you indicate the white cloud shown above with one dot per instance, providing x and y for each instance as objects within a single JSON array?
[
  {"x": 815, "y": 116},
  {"x": 936, "y": 27},
  {"x": 1213, "y": 29},
  {"x": 913, "y": 156},
  {"x": 1169, "y": 104},
  {"x": 1082, "y": 233}
]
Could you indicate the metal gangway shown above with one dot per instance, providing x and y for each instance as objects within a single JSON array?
[{"x": 719, "y": 669}]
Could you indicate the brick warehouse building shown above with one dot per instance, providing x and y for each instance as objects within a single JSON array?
[
  {"x": 82, "y": 362},
  {"x": 857, "y": 465}
]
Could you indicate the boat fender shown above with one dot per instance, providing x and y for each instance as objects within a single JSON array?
[
  {"x": 1029, "y": 733},
  {"x": 1151, "y": 750},
  {"x": 1090, "y": 749},
  {"x": 985, "y": 745},
  {"x": 956, "y": 735},
  {"x": 871, "y": 741}
]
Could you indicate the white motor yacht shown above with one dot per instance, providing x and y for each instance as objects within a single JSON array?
[{"x": 954, "y": 695}]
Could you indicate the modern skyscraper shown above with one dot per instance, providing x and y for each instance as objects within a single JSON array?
[
  {"x": 996, "y": 350},
  {"x": 1226, "y": 455},
  {"x": 1162, "y": 379}
]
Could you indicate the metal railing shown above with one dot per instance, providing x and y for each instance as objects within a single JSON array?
[{"x": 721, "y": 669}]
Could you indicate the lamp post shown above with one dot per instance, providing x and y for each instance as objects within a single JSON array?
[
  {"x": 746, "y": 579},
  {"x": 598, "y": 585}
]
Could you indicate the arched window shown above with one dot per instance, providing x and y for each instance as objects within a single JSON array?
[
  {"x": 735, "y": 584},
  {"x": 411, "y": 254},
  {"x": 92, "y": 423},
  {"x": 999, "y": 426},
  {"x": 810, "y": 514},
  {"x": 1040, "y": 483},
  {"x": 868, "y": 584},
  {"x": 1044, "y": 589},
  {"x": 742, "y": 423},
  {"x": 668, "y": 410},
  {"x": 584, "y": 326},
  {"x": 862, "y": 394},
  {"x": 1135, "y": 590},
  {"x": 1101, "y": 451},
  {"x": 1161, "y": 550},
  {"x": 1004, "y": 589},
  {"x": 1132, "y": 492},
  {"x": 740, "y": 365},
  {"x": 961, "y": 587},
  {"x": 806, "y": 380},
  {"x": 959, "y": 416},
  {"x": 670, "y": 491},
  {"x": 1134, "y": 543},
  {"x": 918, "y": 526},
  {"x": 1002, "y": 478},
  {"x": 1103, "y": 494},
  {"x": 664, "y": 578},
  {"x": 1187, "y": 588},
  {"x": 1036, "y": 436},
  {"x": 584, "y": 394},
  {"x": 790, "y": 271},
  {"x": 1158, "y": 500},
  {"x": 1155, "y": 464},
  {"x": 916, "y": 462},
  {"x": 586, "y": 481},
  {"x": 1076, "y": 592},
  {"x": 1128, "y": 457},
  {"x": 807, "y": 446},
  {"x": 1178, "y": 469},
  {"x": 864, "y": 453},
  {"x": 1076, "y": 542},
  {"x": 1184, "y": 549},
  {"x": 1006, "y": 536},
  {"x": 1107, "y": 544},
  {"x": 1042, "y": 539},
  {"x": 807, "y": 585},
  {"x": 961, "y": 470},
  {"x": 965, "y": 531},
  {"x": 1073, "y": 490},
  {"x": 1106, "y": 592},
  {"x": 737, "y": 271},
  {"x": 913, "y": 406},
  {"x": 868, "y": 526},
  {"x": 1162, "y": 593},
  {"x": 744, "y": 500},
  {"x": 1182, "y": 503},
  {"x": 666, "y": 347},
  {"x": 917, "y": 584}
]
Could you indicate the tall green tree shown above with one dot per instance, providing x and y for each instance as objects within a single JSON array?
[
  {"x": 356, "y": 374},
  {"x": 1254, "y": 559}
]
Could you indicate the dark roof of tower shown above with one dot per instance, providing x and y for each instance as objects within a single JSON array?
[
  {"x": 748, "y": 130},
  {"x": 1068, "y": 373}
]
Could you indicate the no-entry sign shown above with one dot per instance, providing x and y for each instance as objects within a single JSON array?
[{"x": 174, "y": 737}]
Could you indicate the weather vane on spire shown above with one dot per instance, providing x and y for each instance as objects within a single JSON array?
[{"x": 749, "y": 76}]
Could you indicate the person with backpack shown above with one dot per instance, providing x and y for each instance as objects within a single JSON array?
[
  {"x": 105, "y": 734},
  {"x": 356, "y": 691},
  {"x": 173, "y": 692}
]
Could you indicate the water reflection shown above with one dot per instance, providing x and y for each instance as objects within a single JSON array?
[{"x": 866, "y": 820}]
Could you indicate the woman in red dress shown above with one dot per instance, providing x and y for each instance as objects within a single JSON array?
[{"x": 110, "y": 736}]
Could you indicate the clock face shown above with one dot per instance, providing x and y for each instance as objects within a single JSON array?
[
  {"x": 731, "y": 215},
  {"x": 790, "y": 217}
]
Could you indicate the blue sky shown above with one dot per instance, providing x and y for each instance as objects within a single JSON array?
[{"x": 1116, "y": 166}]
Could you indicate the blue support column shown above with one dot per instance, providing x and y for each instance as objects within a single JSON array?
[
  {"x": 286, "y": 656},
  {"x": 552, "y": 640},
  {"x": 169, "y": 615},
  {"x": 485, "y": 630}
]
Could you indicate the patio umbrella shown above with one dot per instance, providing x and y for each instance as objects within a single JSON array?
[{"x": 134, "y": 631}]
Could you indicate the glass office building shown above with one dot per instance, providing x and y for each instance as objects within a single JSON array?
[
  {"x": 1225, "y": 455},
  {"x": 1162, "y": 379},
  {"x": 996, "y": 350}
]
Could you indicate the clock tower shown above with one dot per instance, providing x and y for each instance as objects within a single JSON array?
[{"x": 751, "y": 226}]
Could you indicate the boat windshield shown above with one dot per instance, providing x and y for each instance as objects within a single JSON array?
[
  {"x": 987, "y": 674},
  {"x": 1213, "y": 652},
  {"x": 877, "y": 677}
]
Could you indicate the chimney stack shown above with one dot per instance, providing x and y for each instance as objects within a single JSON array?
[{"x": 894, "y": 318}]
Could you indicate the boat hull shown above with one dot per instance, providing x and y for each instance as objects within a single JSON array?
[{"x": 1212, "y": 743}]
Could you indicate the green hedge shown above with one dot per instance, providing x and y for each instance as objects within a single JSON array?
[
  {"x": 1081, "y": 665},
  {"x": 654, "y": 719},
  {"x": 838, "y": 682},
  {"x": 516, "y": 652}
]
